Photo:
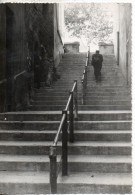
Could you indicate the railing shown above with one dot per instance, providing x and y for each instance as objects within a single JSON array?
[
  {"x": 84, "y": 77},
  {"x": 66, "y": 126}
]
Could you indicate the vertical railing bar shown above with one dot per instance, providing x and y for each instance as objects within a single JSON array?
[
  {"x": 64, "y": 146},
  {"x": 53, "y": 169},
  {"x": 82, "y": 90},
  {"x": 59, "y": 166},
  {"x": 71, "y": 120},
  {"x": 75, "y": 95},
  {"x": 86, "y": 76}
]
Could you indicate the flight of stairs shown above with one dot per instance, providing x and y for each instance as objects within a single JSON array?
[{"x": 100, "y": 157}]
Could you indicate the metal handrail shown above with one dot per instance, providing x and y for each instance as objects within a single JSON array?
[
  {"x": 64, "y": 127},
  {"x": 84, "y": 77},
  {"x": 59, "y": 130},
  {"x": 68, "y": 102}
]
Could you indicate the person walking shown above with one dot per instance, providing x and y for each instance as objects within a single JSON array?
[{"x": 97, "y": 60}]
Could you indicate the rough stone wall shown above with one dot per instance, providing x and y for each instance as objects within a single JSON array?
[
  {"x": 16, "y": 47},
  {"x": 25, "y": 27},
  {"x": 129, "y": 42},
  {"x": 58, "y": 43},
  {"x": 12, "y": 54},
  {"x": 41, "y": 24},
  {"x": 2, "y": 58}
]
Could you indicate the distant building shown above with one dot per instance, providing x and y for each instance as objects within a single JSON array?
[
  {"x": 72, "y": 47},
  {"x": 106, "y": 48}
]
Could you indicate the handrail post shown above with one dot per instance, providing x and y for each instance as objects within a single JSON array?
[
  {"x": 64, "y": 146},
  {"x": 82, "y": 91},
  {"x": 89, "y": 55},
  {"x": 71, "y": 119},
  {"x": 84, "y": 82},
  {"x": 85, "y": 77},
  {"x": 53, "y": 170},
  {"x": 75, "y": 100}
]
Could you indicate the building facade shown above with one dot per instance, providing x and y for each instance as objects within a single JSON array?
[
  {"x": 30, "y": 34},
  {"x": 122, "y": 38}
]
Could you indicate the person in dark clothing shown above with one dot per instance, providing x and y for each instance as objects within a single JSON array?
[{"x": 97, "y": 60}]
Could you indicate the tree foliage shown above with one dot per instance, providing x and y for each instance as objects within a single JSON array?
[{"x": 88, "y": 20}]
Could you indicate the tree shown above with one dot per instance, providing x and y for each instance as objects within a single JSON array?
[{"x": 88, "y": 20}]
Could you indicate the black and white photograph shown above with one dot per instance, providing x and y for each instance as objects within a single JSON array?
[{"x": 66, "y": 97}]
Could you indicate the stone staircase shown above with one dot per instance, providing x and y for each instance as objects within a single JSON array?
[{"x": 100, "y": 157}]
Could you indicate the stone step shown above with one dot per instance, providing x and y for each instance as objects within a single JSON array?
[
  {"x": 107, "y": 135},
  {"x": 103, "y": 89},
  {"x": 106, "y": 86},
  {"x": 104, "y": 74},
  {"x": 90, "y": 73},
  {"x": 89, "y": 102},
  {"x": 53, "y": 125},
  {"x": 89, "y": 87},
  {"x": 89, "y": 93},
  {"x": 80, "y": 135},
  {"x": 77, "y": 148},
  {"x": 104, "y": 81},
  {"x": 24, "y": 182},
  {"x": 72, "y": 76},
  {"x": 80, "y": 107},
  {"x": 96, "y": 183},
  {"x": 103, "y": 125},
  {"x": 77, "y": 67},
  {"x": 63, "y": 97},
  {"x": 73, "y": 60},
  {"x": 104, "y": 115},
  {"x": 56, "y": 115},
  {"x": 104, "y": 107},
  {"x": 31, "y": 116},
  {"x": 76, "y": 163},
  {"x": 70, "y": 62},
  {"x": 38, "y": 183},
  {"x": 89, "y": 90},
  {"x": 105, "y": 78}
]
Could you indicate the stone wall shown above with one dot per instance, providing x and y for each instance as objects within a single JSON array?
[
  {"x": 106, "y": 49},
  {"x": 58, "y": 42},
  {"x": 39, "y": 22},
  {"x": 2, "y": 58},
  {"x": 13, "y": 53},
  {"x": 122, "y": 24},
  {"x": 16, "y": 56},
  {"x": 116, "y": 29},
  {"x": 125, "y": 41},
  {"x": 25, "y": 28}
]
